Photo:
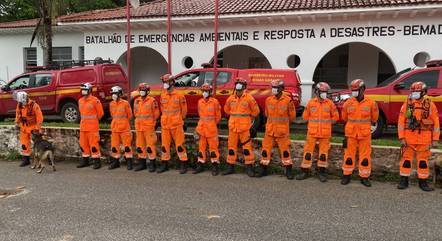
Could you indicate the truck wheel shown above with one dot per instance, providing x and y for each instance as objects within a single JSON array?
[
  {"x": 70, "y": 113},
  {"x": 378, "y": 128}
]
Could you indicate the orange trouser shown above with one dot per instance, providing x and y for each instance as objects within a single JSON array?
[
  {"x": 89, "y": 144},
  {"x": 176, "y": 135},
  {"x": 309, "y": 149},
  {"x": 213, "y": 149},
  {"x": 146, "y": 144},
  {"x": 284, "y": 149},
  {"x": 364, "y": 147},
  {"x": 118, "y": 138},
  {"x": 422, "y": 153},
  {"x": 232, "y": 143},
  {"x": 25, "y": 141}
]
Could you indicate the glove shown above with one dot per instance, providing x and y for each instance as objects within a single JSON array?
[
  {"x": 185, "y": 127},
  {"x": 253, "y": 133},
  {"x": 434, "y": 144},
  {"x": 403, "y": 142},
  {"x": 23, "y": 120}
]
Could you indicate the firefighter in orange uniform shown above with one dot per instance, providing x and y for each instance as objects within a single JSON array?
[
  {"x": 28, "y": 118},
  {"x": 121, "y": 114},
  {"x": 174, "y": 110},
  {"x": 359, "y": 112},
  {"x": 146, "y": 112},
  {"x": 418, "y": 129},
  {"x": 209, "y": 111},
  {"x": 320, "y": 113},
  {"x": 242, "y": 109},
  {"x": 91, "y": 112},
  {"x": 280, "y": 111}
]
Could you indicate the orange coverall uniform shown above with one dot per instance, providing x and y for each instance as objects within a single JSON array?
[
  {"x": 242, "y": 110},
  {"x": 210, "y": 114},
  {"x": 174, "y": 111},
  {"x": 91, "y": 112},
  {"x": 418, "y": 141},
  {"x": 121, "y": 114},
  {"x": 320, "y": 114},
  {"x": 147, "y": 113},
  {"x": 28, "y": 117},
  {"x": 358, "y": 117},
  {"x": 279, "y": 112}
]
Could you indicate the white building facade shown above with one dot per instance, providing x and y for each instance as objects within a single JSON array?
[{"x": 332, "y": 45}]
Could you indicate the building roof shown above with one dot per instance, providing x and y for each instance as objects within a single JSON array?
[
  {"x": 19, "y": 24},
  {"x": 183, "y": 8}
]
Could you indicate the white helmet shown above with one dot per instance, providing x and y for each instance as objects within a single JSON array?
[
  {"x": 117, "y": 90},
  {"x": 86, "y": 86},
  {"x": 22, "y": 97}
]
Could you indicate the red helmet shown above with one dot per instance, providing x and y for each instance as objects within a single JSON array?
[
  {"x": 357, "y": 84},
  {"x": 206, "y": 87},
  {"x": 240, "y": 81},
  {"x": 277, "y": 84},
  {"x": 322, "y": 87},
  {"x": 418, "y": 86},
  {"x": 143, "y": 86},
  {"x": 166, "y": 78}
]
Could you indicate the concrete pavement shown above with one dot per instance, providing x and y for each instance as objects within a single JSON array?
[{"x": 84, "y": 204}]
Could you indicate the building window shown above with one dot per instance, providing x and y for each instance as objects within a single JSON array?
[
  {"x": 30, "y": 58},
  {"x": 61, "y": 54},
  {"x": 81, "y": 53}
]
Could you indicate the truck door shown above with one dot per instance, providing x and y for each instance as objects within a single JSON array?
[
  {"x": 187, "y": 84},
  {"x": 222, "y": 90},
  {"x": 8, "y": 102},
  {"x": 401, "y": 89}
]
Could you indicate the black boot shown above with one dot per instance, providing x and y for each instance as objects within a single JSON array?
[
  {"x": 129, "y": 163},
  {"x": 424, "y": 185},
  {"x": 164, "y": 166},
  {"x": 230, "y": 169},
  {"x": 262, "y": 171},
  {"x": 199, "y": 168},
  {"x": 97, "y": 163},
  {"x": 25, "y": 160},
  {"x": 345, "y": 179},
  {"x": 152, "y": 165},
  {"x": 84, "y": 162},
  {"x": 366, "y": 182},
  {"x": 249, "y": 170},
  {"x": 215, "y": 169},
  {"x": 322, "y": 174},
  {"x": 114, "y": 163},
  {"x": 183, "y": 167},
  {"x": 141, "y": 165},
  {"x": 403, "y": 183},
  {"x": 289, "y": 172},
  {"x": 304, "y": 174}
]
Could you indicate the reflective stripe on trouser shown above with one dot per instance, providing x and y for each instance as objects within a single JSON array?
[
  {"x": 364, "y": 147},
  {"x": 176, "y": 135},
  {"x": 422, "y": 154},
  {"x": 234, "y": 138},
  {"x": 118, "y": 139},
  {"x": 284, "y": 149},
  {"x": 309, "y": 149},
  {"x": 25, "y": 141},
  {"x": 213, "y": 144},
  {"x": 146, "y": 140},
  {"x": 89, "y": 143}
]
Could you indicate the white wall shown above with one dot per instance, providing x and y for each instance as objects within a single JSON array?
[
  {"x": 12, "y": 50},
  {"x": 363, "y": 62}
]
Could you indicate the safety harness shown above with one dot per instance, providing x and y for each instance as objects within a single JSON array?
[
  {"x": 30, "y": 118},
  {"x": 412, "y": 123}
]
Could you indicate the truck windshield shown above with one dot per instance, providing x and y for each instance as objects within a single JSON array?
[{"x": 393, "y": 78}]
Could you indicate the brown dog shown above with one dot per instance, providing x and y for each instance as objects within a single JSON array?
[{"x": 43, "y": 152}]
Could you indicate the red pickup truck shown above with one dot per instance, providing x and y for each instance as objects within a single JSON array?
[
  {"x": 393, "y": 92},
  {"x": 57, "y": 91},
  {"x": 189, "y": 83}
]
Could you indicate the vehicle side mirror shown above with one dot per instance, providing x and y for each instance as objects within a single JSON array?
[
  {"x": 6, "y": 88},
  {"x": 399, "y": 86}
]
